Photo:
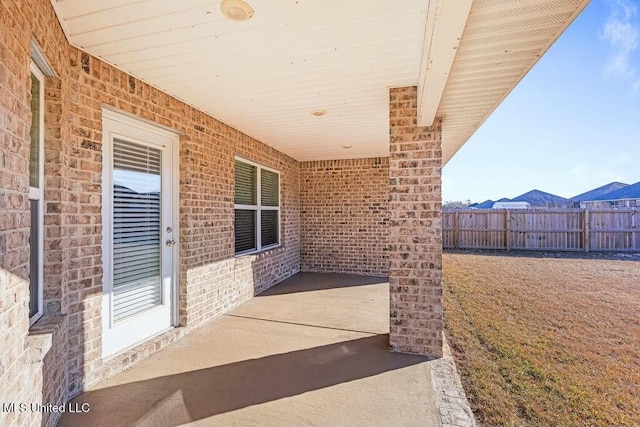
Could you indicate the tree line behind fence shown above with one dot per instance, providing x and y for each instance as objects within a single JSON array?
[{"x": 558, "y": 230}]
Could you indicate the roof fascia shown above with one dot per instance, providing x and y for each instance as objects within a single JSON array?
[{"x": 446, "y": 21}]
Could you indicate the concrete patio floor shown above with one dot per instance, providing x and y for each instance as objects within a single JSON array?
[{"x": 312, "y": 351}]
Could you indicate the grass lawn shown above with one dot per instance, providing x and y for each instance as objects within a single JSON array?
[{"x": 546, "y": 340}]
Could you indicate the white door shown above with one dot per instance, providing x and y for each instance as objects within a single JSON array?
[{"x": 139, "y": 234}]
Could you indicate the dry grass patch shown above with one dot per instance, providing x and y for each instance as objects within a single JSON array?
[{"x": 551, "y": 340}]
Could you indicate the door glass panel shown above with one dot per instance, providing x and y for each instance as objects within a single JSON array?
[{"x": 137, "y": 279}]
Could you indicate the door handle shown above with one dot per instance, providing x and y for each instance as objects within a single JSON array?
[{"x": 170, "y": 243}]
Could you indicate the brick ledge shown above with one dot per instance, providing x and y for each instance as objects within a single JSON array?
[{"x": 41, "y": 335}]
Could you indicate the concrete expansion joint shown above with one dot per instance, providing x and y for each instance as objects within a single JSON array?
[{"x": 305, "y": 325}]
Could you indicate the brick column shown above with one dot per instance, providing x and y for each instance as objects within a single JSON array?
[{"x": 415, "y": 228}]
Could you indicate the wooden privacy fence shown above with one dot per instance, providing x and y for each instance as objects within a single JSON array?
[{"x": 558, "y": 230}]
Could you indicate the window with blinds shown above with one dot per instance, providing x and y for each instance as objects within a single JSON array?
[
  {"x": 137, "y": 284},
  {"x": 36, "y": 196},
  {"x": 257, "y": 207}
]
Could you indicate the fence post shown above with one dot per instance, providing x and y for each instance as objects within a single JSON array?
[
  {"x": 455, "y": 229},
  {"x": 586, "y": 230},
  {"x": 507, "y": 229},
  {"x": 634, "y": 226}
]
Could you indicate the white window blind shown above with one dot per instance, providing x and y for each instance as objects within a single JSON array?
[
  {"x": 136, "y": 229},
  {"x": 257, "y": 207}
]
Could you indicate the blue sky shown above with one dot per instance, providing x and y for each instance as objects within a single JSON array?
[{"x": 572, "y": 124}]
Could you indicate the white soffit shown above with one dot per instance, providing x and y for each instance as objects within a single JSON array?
[
  {"x": 501, "y": 42},
  {"x": 266, "y": 75}
]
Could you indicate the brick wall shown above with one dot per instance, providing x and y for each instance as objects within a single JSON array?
[
  {"x": 218, "y": 281},
  {"x": 415, "y": 228},
  {"x": 56, "y": 197},
  {"x": 344, "y": 206},
  {"x": 21, "y": 355},
  {"x": 48, "y": 353},
  {"x": 212, "y": 280}
]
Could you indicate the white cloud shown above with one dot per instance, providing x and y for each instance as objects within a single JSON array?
[
  {"x": 622, "y": 32},
  {"x": 627, "y": 7}
]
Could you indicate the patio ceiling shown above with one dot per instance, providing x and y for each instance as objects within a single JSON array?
[{"x": 266, "y": 76}]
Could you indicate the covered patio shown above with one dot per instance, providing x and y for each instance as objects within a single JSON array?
[
  {"x": 312, "y": 350},
  {"x": 167, "y": 162}
]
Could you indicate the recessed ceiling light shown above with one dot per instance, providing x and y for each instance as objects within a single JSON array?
[
  {"x": 319, "y": 113},
  {"x": 347, "y": 146},
  {"x": 237, "y": 10}
]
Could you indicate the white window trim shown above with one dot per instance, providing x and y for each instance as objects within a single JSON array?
[
  {"x": 258, "y": 207},
  {"x": 38, "y": 194}
]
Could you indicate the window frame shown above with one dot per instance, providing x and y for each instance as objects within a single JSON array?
[
  {"x": 258, "y": 208},
  {"x": 37, "y": 194}
]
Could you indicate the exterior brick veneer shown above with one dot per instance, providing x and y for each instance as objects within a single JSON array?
[
  {"x": 61, "y": 354},
  {"x": 346, "y": 209},
  {"x": 415, "y": 237},
  {"x": 345, "y": 216}
]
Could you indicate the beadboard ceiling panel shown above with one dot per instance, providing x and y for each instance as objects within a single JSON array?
[
  {"x": 266, "y": 75},
  {"x": 501, "y": 42}
]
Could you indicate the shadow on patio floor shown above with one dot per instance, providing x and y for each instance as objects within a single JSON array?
[
  {"x": 312, "y": 351},
  {"x": 305, "y": 282},
  {"x": 182, "y": 398}
]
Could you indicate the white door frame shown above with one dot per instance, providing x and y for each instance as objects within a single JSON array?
[{"x": 169, "y": 137}]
